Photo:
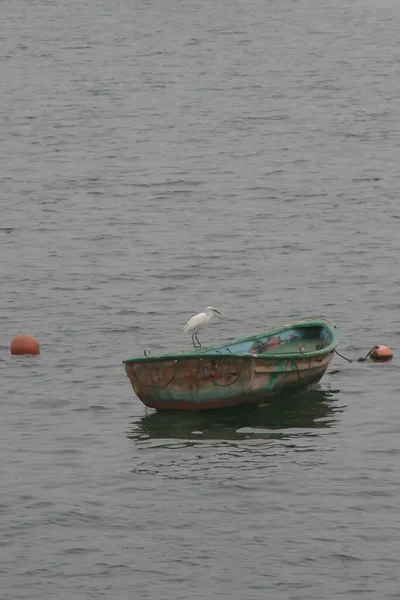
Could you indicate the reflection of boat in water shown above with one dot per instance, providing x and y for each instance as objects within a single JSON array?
[
  {"x": 247, "y": 371},
  {"x": 312, "y": 409}
]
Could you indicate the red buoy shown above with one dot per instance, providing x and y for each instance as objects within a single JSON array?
[
  {"x": 25, "y": 344},
  {"x": 381, "y": 353}
]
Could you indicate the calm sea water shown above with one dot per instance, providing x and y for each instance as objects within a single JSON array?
[{"x": 158, "y": 157}]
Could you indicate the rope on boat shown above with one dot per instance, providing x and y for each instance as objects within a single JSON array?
[
  {"x": 231, "y": 382},
  {"x": 301, "y": 378},
  {"x": 297, "y": 369},
  {"x": 159, "y": 387},
  {"x": 152, "y": 385}
]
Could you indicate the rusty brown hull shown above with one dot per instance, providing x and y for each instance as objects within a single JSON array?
[{"x": 202, "y": 382}]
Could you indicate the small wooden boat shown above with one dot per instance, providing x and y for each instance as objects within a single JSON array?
[{"x": 251, "y": 370}]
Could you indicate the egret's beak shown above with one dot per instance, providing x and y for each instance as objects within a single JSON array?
[{"x": 215, "y": 310}]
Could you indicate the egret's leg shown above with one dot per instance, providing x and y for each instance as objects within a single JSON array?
[{"x": 195, "y": 335}]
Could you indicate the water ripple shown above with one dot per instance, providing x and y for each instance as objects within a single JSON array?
[{"x": 160, "y": 158}]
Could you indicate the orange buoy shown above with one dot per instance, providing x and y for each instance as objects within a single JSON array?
[
  {"x": 381, "y": 353},
  {"x": 25, "y": 344}
]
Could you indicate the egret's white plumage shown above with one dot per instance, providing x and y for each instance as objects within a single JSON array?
[{"x": 198, "y": 321}]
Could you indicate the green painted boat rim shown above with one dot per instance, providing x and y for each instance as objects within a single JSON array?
[{"x": 212, "y": 351}]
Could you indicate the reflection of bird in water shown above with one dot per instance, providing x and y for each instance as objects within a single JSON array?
[{"x": 198, "y": 321}]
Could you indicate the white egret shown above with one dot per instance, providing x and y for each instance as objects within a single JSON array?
[{"x": 198, "y": 321}]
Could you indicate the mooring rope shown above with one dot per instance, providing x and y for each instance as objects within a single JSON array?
[
  {"x": 345, "y": 357},
  {"x": 358, "y": 359},
  {"x": 370, "y": 352}
]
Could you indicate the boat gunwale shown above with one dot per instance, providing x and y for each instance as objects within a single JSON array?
[{"x": 211, "y": 352}]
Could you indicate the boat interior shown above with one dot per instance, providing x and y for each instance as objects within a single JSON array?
[{"x": 288, "y": 341}]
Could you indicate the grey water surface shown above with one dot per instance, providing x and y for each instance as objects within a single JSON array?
[{"x": 157, "y": 157}]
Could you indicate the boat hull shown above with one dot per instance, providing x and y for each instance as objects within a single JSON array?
[{"x": 203, "y": 383}]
